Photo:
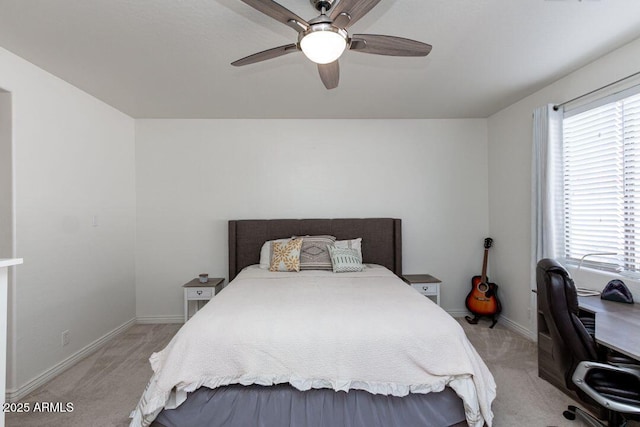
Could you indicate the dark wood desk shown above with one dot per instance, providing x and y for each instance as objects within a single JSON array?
[
  {"x": 617, "y": 327},
  {"x": 617, "y": 324}
]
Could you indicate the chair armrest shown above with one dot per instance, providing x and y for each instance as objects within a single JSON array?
[
  {"x": 618, "y": 359},
  {"x": 582, "y": 370}
]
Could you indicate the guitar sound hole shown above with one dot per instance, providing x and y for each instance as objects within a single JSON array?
[{"x": 483, "y": 287}]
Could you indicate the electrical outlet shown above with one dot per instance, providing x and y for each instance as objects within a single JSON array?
[{"x": 66, "y": 338}]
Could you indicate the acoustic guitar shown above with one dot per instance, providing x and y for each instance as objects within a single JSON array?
[{"x": 483, "y": 297}]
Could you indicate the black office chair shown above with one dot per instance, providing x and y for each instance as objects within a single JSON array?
[{"x": 596, "y": 380}]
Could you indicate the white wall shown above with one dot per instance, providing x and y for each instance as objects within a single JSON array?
[
  {"x": 195, "y": 175},
  {"x": 6, "y": 181},
  {"x": 510, "y": 142},
  {"x": 74, "y": 159},
  {"x": 6, "y": 235}
]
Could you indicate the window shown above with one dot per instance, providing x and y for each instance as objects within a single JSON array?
[{"x": 601, "y": 184}]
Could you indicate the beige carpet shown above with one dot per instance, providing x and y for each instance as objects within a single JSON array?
[
  {"x": 104, "y": 388},
  {"x": 523, "y": 398}
]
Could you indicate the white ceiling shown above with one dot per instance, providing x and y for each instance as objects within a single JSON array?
[{"x": 170, "y": 58}]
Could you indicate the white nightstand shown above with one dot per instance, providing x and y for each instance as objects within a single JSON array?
[
  {"x": 198, "y": 291},
  {"x": 426, "y": 284}
]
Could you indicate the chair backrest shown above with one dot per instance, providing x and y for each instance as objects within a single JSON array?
[{"x": 558, "y": 300}]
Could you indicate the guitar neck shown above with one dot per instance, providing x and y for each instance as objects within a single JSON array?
[{"x": 484, "y": 265}]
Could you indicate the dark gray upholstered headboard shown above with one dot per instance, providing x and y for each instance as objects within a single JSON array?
[{"x": 381, "y": 238}]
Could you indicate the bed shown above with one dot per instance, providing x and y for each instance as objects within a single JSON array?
[{"x": 318, "y": 348}]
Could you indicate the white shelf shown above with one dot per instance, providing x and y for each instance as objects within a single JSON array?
[{"x": 8, "y": 262}]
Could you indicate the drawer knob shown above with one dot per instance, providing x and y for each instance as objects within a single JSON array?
[
  {"x": 425, "y": 288},
  {"x": 199, "y": 292}
]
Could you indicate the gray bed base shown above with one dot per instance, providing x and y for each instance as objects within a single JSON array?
[{"x": 283, "y": 405}]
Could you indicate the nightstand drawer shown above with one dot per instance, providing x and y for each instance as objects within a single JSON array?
[
  {"x": 426, "y": 288},
  {"x": 194, "y": 293}
]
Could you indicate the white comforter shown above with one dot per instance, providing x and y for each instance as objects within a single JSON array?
[{"x": 317, "y": 329}]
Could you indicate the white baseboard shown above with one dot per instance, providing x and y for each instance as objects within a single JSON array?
[
  {"x": 517, "y": 328},
  {"x": 17, "y": 394},
  {"x": 508, "y": 323},
  {"x": 159, "y": 319}
]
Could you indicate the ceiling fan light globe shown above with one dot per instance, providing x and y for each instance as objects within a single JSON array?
[{"x": 323, "y": 45}]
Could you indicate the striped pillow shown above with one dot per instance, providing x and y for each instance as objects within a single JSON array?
[
  {"x": 345, "y": 260},
  {"x": 353, "y": 244},
  {"x": 314, "y": 254}
]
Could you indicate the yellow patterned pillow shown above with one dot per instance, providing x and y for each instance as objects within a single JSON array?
[{"x": 285, "y": 256}]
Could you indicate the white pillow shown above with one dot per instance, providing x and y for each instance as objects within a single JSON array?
[
  {"x": 265, "y": 253},
  {"x": 350, "y": 244}
]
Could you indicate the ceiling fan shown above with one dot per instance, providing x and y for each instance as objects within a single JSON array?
[{"x": 324, "y": 38}]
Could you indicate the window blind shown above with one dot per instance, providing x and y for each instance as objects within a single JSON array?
[{"x": 601, "y": 185}]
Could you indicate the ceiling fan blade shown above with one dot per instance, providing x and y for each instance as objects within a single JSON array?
[
  {"x": 347, "y": 12},
  {"x": 330, "y": 74},
  {"x": 266, "y": 54},
  {"x": 388, "y": 45},
  {"x": 279, "y": 13}
]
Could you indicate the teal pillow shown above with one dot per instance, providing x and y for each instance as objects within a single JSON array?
[{"x": 345, "y": 260}]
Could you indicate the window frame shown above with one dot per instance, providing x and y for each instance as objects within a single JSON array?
[{"x": 603, "y": 260}]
